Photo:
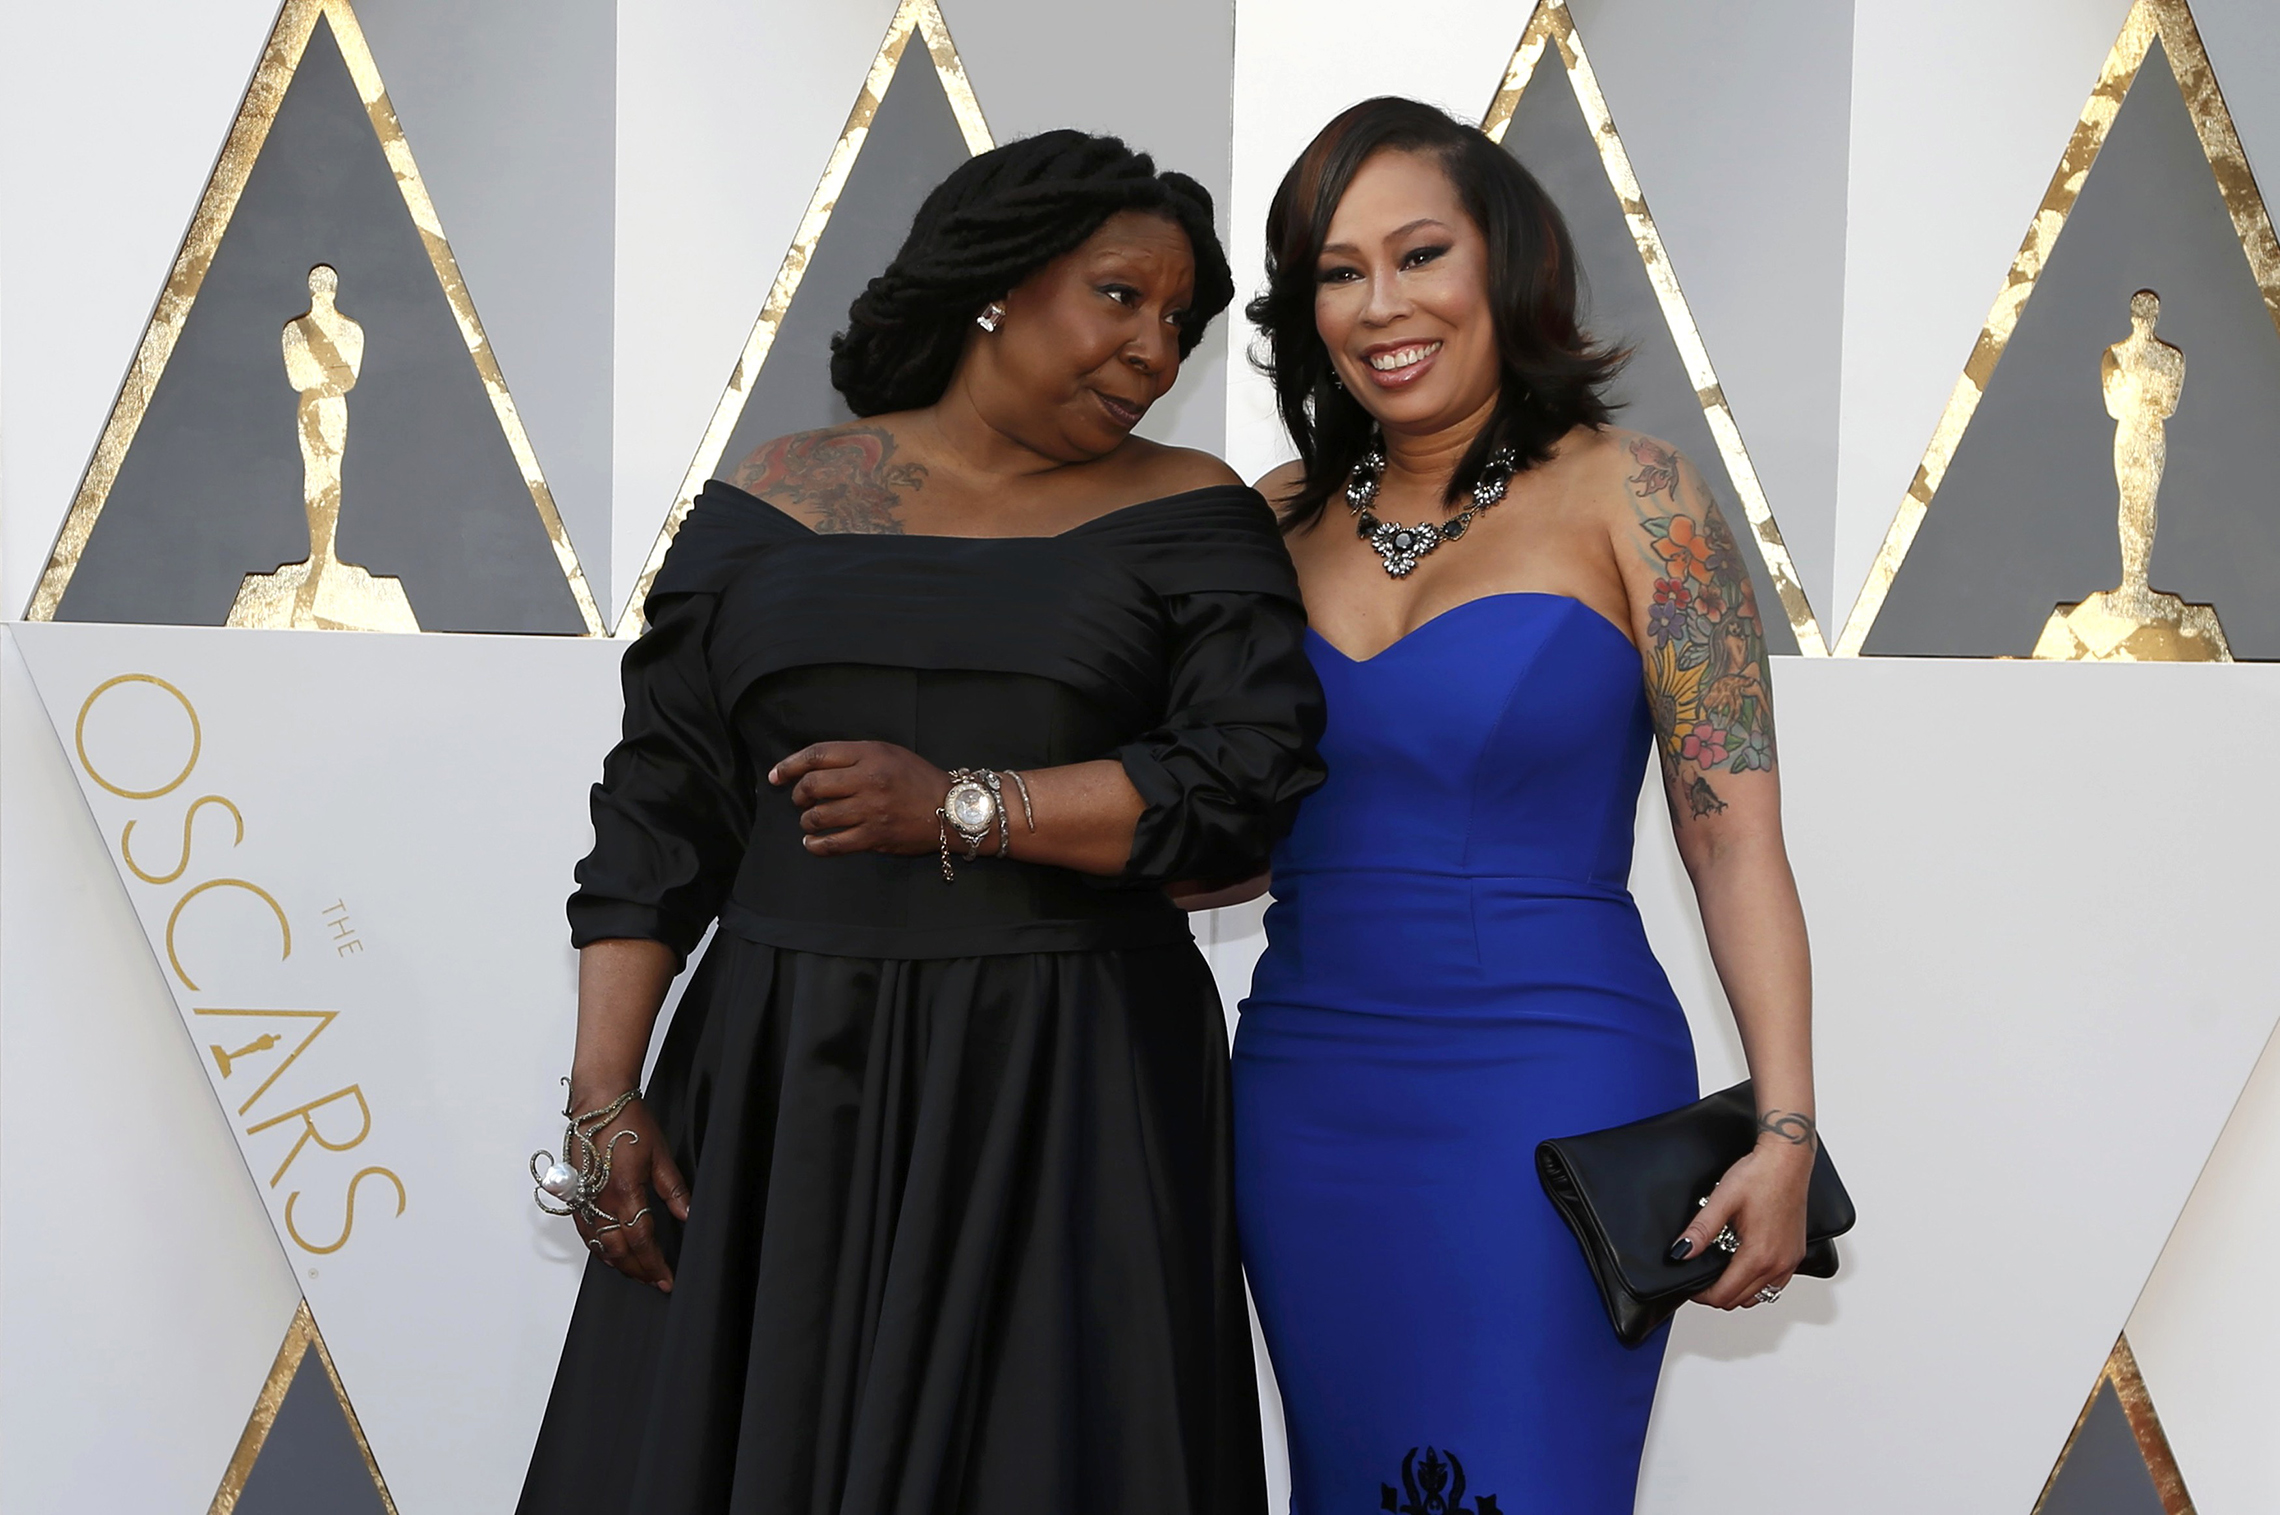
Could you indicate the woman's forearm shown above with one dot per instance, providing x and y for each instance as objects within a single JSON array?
[
  {"x": 621, "y": 987},
  {"x": 1756, "y": 930},
  {"x": 1086, "y": 814},
  {"x": 878, "y": 797}
]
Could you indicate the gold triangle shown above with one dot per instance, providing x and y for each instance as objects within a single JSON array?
[
  {"x": 1551, "y": 25},
  {"x": 2121, "y": 1370},
  {"x": 2171, "y": 21},
  {"x": 280, "y": 58},
  {"x": 923, "y": 17},
  {"x": 300, "y": 1336}
]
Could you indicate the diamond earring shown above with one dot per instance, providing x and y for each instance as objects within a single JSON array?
[{"x": 991, "y": 318}]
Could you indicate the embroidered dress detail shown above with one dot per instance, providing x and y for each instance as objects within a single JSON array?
[{"x": 1434, "y": 1487}]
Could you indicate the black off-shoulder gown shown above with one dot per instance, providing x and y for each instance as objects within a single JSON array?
[{"x": 961, "y": 1234}]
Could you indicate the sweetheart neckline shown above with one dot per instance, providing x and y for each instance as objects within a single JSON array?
[{"x": 1482, "y": 599}]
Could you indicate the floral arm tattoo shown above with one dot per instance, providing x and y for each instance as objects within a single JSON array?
[
  {"x": 1705, "y": 652},
  {"x": 843, "y": 480}
]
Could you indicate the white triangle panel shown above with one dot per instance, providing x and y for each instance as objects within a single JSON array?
[
  {"x": 412, "y": 808},
  {"x": 2205, "y": 1331},
  {"x": 2039, "y": 899},
  {"x": 143, "y": 1294}
]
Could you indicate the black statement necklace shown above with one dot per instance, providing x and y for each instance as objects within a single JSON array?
[{"x": 1402, "y": 546}]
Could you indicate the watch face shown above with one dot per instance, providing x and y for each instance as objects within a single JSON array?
[{"x": 971, "y": 807}]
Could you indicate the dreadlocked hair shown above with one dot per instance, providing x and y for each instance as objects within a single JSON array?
[{"x": 995, "y": 221}]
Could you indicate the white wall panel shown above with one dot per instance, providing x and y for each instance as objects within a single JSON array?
[
  {"x": 1960, "y": 110},
  {"x": 142, "y": 1295},
  {"x": 2243, "y": 41},
  {"x": 2040, "y": 984},
  {"x": 727, "y": 111},
  {"x": 110, "y": 120},
  {"x": 1735, "y": 118},
  {"x": 512, "y": 114},
  {"x": 413, "y": 807},
  {"x": 2205, "y": 1332}
]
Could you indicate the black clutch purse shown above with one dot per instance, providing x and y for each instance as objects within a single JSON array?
[{"x": 1628, "y": 1191}]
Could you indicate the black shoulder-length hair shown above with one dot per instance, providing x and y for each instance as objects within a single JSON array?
[
  {"x": 1555, "y": 377},
  {"x": 997, "y": 219}
]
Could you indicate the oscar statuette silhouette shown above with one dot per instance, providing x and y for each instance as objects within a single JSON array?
[
  {"x": 2142, "y": 377},
  {"x": 323, "y": 351}
]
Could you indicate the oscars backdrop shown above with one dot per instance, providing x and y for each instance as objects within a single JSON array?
[{"x": 362, "y": 358}]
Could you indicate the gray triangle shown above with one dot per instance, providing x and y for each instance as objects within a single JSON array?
[
  {"x": 2104, "y": 1473},
  {"x": 913, "y": 144},
  {"x": 1549, "y": 136},
  {"x": 2024, "y": 519},
  {"x": 309, "y": 1462},
  {"x": 210, "y": 488}
]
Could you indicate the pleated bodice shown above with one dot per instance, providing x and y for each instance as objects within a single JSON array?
[{"x": 1166, "y": 635}]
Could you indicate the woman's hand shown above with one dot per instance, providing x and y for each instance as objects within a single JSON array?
[
  {"x": 865, "y": 797},
  {"x": 1763, "y": 1198},
  {"x": 642, "y": 1175}
]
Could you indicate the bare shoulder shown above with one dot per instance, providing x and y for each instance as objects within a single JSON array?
[
  {"x": 837, "y": 478},
  {"x": 1606, "y": 464},
  {"x": 1641, "y": 466},
  {"x": 1649, "y": 492},
  {"x": 1280, "y": 483},
  {"x": 1158, "y": 470}
]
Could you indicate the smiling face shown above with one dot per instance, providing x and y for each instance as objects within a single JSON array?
[
  {"x": 1401, "y": 298},
  {"x": 1089, "y": 341}
]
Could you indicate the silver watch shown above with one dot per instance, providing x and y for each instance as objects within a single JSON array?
[{"x": 973, "y": 807}]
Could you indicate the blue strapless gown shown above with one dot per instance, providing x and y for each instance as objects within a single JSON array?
[{"x": 1454, "y": 971}]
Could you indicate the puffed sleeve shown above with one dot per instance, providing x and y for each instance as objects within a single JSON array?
[
  {"x": 674, "y": 807},
  {"x": 1223, "y": 773}
]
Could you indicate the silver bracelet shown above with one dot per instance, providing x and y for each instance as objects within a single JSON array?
[
  {"x": 569, "y": 1185},
  {"x": 1027, "y": 814}
]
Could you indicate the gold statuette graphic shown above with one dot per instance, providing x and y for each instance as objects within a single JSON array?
[
  {"x": 323, "y": 351},
  {"x": 223, "y": 1059},
  {"x": 2142, "y": 376}
]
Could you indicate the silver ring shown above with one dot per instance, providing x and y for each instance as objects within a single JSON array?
[
  {"x": 1768, "y": 1294},
  {"x": 619, "y": 1225},
  {"x": 1726, "y": 1241}
]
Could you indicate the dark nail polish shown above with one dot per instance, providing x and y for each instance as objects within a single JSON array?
[{"x": 1682, "y": 1249}]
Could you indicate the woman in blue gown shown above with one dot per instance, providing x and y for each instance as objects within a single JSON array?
[{"x": 1511, "y": 602}]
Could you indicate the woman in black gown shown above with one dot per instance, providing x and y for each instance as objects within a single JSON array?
[{"x": 926, "y": 1207}]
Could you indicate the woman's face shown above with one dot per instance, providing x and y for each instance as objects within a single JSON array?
[
  {"x": 1090, "y": 340},
  {"x": 1401, "y": 297}
]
